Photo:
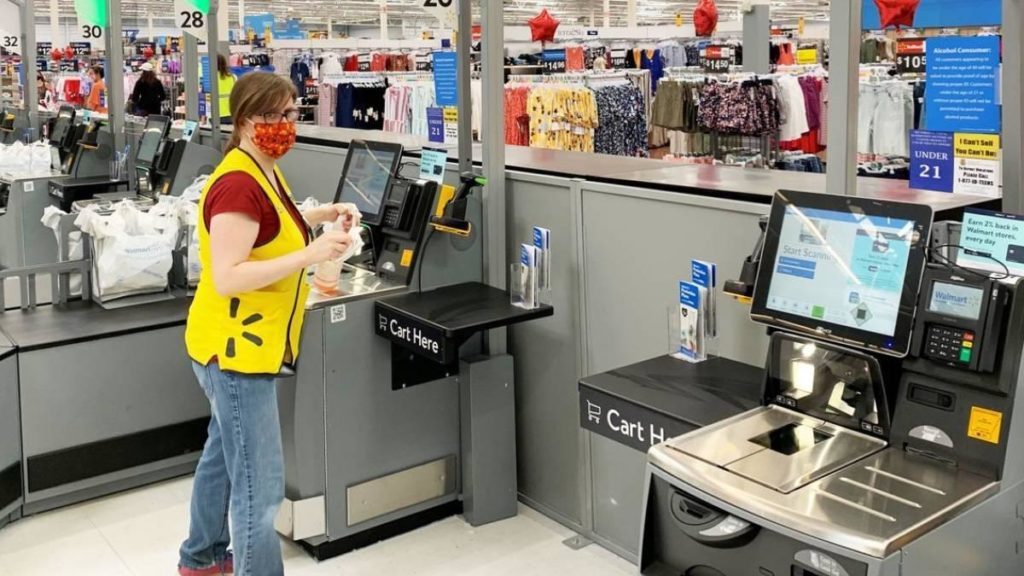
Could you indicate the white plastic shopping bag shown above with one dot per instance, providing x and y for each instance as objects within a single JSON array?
[
  {"x": 133, "y": 250},
  {"x": 51, "y": 219}
]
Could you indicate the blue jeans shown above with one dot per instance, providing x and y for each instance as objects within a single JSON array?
[{"x": 241, "y": 472}]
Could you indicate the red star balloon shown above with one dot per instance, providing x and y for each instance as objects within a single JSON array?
[
  {"x": 56, "y": 54},
  {"x": 147, "y": 52},
  {"x": 896, "y": 12},
  {"x": 543, "y": 26},
  {"x": 69, "y": 53},
  {"x": 705, "y": 18}
]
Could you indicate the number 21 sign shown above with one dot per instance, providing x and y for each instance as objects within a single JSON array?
[{"x": 931, "y": 160}]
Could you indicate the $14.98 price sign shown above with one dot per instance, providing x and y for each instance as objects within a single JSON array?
[{"x": 910, "y": 56}]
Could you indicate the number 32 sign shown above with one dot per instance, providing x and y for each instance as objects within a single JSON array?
[{"x": 446, "y": 11}]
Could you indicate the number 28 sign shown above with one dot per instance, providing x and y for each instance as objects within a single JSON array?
[
  {"x": 446, "y": 11},
  {"x": 191, "y": 17}
]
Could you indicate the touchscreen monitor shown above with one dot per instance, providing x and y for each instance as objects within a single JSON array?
[
  {"x": 846, "y": 269},
  {"x": 369, "y": 167},
  {"x": 155, "y": 130},
  {"x": 62, "y": 125}
]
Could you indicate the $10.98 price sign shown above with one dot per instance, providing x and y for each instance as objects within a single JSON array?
[{"x": 910, "y": 56}]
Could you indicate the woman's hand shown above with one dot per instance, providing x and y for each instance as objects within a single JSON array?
[
  {"x": 329, "y": 246},
  {"x": 330, "y": 212}
]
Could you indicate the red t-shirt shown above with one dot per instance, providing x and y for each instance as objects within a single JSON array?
[{"x": 239, "y": 192}]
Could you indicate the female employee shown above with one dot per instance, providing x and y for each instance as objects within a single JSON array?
[
  {"x": 97, "y": 100},
  {"x": 225, "y": 84},
  {"x": 243, "y": 330}
]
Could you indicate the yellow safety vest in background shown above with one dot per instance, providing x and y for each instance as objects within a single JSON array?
[
  {"x": 250, "y": 332},
  {"x": 224, "y": 88}
]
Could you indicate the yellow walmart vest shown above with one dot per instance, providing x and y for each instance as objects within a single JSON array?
[{"x": 250, "y": 332}]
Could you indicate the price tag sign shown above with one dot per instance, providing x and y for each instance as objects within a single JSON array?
[
  {"x": 910, "y": 56},
  {"x": 931, "y": 160},
  {"x": 141, "y": 47},
  {"x": 807, "y": 56},
  {"x": 43, "y": 49},
  {"x": 435, "y": 125},
  {"x": 446, "y": 12},
  {"x": 92, "y": 19},
  {"x": 716, "y": 59},
  {"x": 554, "y": 66},
  {"x": 192, "y": 17},
  {"x": 81, "y": 48}
]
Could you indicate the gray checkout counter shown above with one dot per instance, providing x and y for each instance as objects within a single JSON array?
[
  {"x": 107, "y": 399},
  {"x": 394, "y": 418},
  {"x": 625, "y": 412},
  {"x": 11, "y": 496},
  {"x": 886, "y": 444}
]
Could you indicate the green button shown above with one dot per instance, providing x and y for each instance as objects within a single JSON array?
[
  {"x": 818, "y": 312},
  {"x": 965, "y": 355}
]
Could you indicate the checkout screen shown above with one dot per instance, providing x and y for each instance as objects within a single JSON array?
[
  {"x": 367, "y": 179},
  {"x": 841, "y": 268}
]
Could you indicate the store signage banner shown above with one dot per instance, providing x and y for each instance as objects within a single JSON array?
[
  {"x": 910, "y": 56},
  {"x": 92, "y": 18},
  {"x": 435, "y": 125},
  {"x": 942, "y": 14},
  {"x": 257, "y": 26},
  {"x": 627, "y": 423},
  {"x": 446, "y": 84},
  {"x": 291, "y": 31},
  {"x": 962, "y": 92},
  {"x": 806, "y": 56},
  {"x": 931, "y": 161},
  {"x": 978, "y": 164},
  {"x": 424, "y": 339}
]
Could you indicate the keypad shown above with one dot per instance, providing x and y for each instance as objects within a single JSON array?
[
  {"x": 391, "y": 218},
  {"x": 950, "y": 344}
]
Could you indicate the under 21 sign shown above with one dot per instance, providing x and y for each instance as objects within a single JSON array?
[{"x": 931, "y": 160}]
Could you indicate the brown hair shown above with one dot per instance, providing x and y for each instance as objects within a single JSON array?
[
  {"x": 256, "y": 93},
  {"x": 148, "y": 77},
  {"x": 222, "y": 66},
  {"x": 98, "y": 71}
]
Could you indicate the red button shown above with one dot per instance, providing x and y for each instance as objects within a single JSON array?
[{"x": 968, "y": 336}]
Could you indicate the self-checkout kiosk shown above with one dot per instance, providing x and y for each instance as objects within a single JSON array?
[
  {"x": 885, "y": 443},
  {"x": 87, "y": 164},
  {"x": 178, "y": 162},
  {"x": 376, "y": 419}
]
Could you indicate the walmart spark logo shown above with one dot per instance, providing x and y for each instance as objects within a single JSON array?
[{"x": 249, "y": 320}]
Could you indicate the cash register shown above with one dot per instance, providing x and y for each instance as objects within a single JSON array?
[
  {"x": 395, "y": 209},
  {"x": 87, "y": 166},
  {"x": 885, "y": 443}
]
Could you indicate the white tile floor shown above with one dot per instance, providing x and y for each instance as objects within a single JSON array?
[{"x": 137, "y": 533}]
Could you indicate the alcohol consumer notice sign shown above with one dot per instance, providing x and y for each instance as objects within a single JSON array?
[{"x": 962, "y": 94}]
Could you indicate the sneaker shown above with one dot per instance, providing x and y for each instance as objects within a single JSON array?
[{"x": 227, "y": 566}]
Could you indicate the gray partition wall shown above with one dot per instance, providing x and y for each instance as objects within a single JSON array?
[{"x": 618, "y": 255}]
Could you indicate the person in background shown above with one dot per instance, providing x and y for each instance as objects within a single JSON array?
[
  {"x": 97, "y": 100},
  {"x": 149, "y": 94},
  {"x": 225, "y": 84},
  {"x": 244, "y": 326},
  {"x": 44, "y": 92}
]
